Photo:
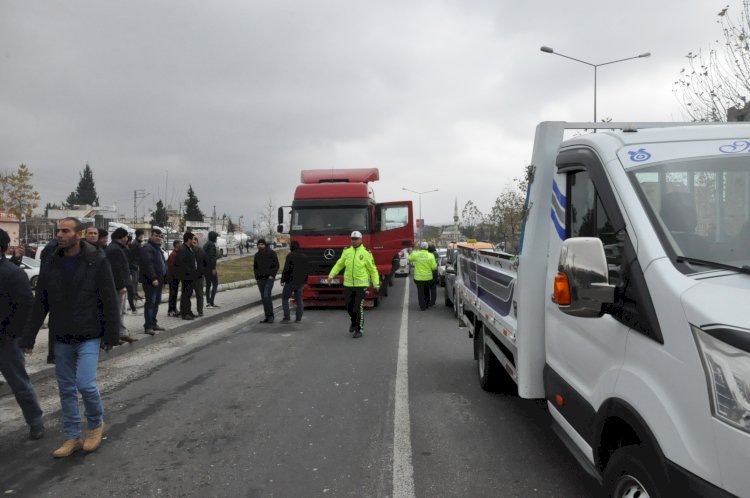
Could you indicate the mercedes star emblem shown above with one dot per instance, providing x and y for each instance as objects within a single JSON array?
[{"x": 329, "y": 254}]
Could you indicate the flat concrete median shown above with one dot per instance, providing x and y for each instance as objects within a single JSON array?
[{"x": 231, "y": 298}]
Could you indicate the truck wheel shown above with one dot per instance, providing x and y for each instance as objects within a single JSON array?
[
  {"x": 632, "y": 471},
  {"x": 488, "y": 368}
]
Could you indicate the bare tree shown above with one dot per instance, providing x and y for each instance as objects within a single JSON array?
[
  {"x": 718, "y": 78},
  {"x": 471, "y": 217},
  {"x": 268, "y": 218}
]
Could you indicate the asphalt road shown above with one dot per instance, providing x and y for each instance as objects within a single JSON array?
[{"x": 247, "y": 409}]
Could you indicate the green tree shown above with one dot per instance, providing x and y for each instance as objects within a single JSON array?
[
  {"x": 17, "y": 194},
  {"x": 230, "y": 225},
  {"x": 718, "y": 78},
  {"x": 159, "y": 217},
  {"x": 192, "y": 211},
  {"x": 85, "y": 192}
]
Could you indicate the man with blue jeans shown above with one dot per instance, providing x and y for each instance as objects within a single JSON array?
[
  {"x": 153, "y": 269},
  {"x": 265, "y": 266},
  {"x": 77, "y": 290},
  {"x": 15, "y": 304},
  {"x": 293, "y": 279}
]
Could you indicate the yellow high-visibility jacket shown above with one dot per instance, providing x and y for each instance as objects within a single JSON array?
[
  {"x": 359, "y": 268},
  {"x": 424, "y": 263}
]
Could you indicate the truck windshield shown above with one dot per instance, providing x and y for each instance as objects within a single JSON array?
[
  {"x": 701, "y": 206},
  {"x": 330, "y": 220}
]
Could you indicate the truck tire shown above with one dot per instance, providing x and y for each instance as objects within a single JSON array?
[
  {"x": 632, "y": 471},
  {"x": 489, "y": 370}
]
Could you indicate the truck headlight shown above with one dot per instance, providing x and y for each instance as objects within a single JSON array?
[{"x": 727, "y": 371}]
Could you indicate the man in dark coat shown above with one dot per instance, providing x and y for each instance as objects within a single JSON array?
[
  {"x": 265, "y": 266},
  {"x": 77, "y": 290},
  {"x": 212, "y": 278},
  {"x": 187, "y": 270},
  {"x": 172, "y": 280},
  {"x": 118, "y": 259},
  {"x": 153, "y": 269},
  {"x": 15, "y": 305},
  {"x": 293, "y": 279}
]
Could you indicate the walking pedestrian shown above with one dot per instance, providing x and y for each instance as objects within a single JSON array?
[
  {"x": 16, "y": 300},
  {"x": 433, "y": 285},
  {"x": 424, "y": 264},
  {"x": 293, "y": 279},
  {"x": 265, "y": 266},
  {"x": 102, "y": 239},
  {"x": 135, "y": 269},
  {"x": 77, "y": 289},
  {"x": 186, "y": 268},
  {"x": 118, "y": 260},
  {"x": 133, "y": 274},
  {"x": 212, "y": 276},
  {"x": 172, "y": 280},
  {"x": 200, "y": 281},
  {"x": 153, "y": 270},
  {"x": 359, "y": 270}
]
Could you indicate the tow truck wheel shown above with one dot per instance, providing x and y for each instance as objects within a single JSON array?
[
  {"x": 488, "y": 368},
  {"x": 632, "y": 472}
]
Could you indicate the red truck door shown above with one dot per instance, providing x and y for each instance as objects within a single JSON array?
[{"x": 393, "y": 230}]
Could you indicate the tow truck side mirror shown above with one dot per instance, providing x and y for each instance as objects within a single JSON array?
[
  {"x": 450, "y": 269},
  {"x": 582, "y": 282}
]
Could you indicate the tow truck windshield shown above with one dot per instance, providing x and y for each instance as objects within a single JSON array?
[{"x": 701, "y": 209}]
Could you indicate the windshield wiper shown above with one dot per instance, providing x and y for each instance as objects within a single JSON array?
[{"x": 713, "y": 264}]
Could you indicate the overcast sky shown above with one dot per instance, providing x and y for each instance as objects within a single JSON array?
[{"x": 236, "y": 97}]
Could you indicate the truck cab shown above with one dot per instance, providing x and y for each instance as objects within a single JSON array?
[{"x": 328, "y": 206}]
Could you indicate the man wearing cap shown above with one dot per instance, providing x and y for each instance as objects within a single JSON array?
[
  {"x": 359, "y": 270},
  {"x": 424, "y": 264},
  {"x": 118, "y": 260}
]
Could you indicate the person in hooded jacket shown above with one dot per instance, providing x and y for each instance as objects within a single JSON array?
[
  {"x": 118, "y": 259},
  {"x": 265, "y": 266},
  {"x": 211, "y": 275},
  {"x": 293, "y": 279}
]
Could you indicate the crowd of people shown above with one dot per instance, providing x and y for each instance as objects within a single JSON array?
[{"x": 85, "y": 286}]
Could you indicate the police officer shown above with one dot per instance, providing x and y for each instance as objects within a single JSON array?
[
  {"x": 424, "y": 264},
  {"x": 359, "y": 269}
]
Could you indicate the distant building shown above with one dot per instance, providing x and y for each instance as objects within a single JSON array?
[
  {"x": 12, "y": 225},
  {"x": 736, "y": 114},
  {"x": 452, "y": 232}
]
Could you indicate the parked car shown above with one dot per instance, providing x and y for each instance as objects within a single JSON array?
[
  {"x": 31, "y": 267},
  {"x": 403, "y": 263},
  {"x": 442, "y": 263}
]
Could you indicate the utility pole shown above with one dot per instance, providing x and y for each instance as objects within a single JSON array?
[{"x": 137, "y": 194}]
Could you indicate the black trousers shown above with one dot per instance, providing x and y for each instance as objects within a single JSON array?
[
  {"x": 423, "y": 293},
  {"x": 187, "y": 293},
  {"x": 174, "y": 289},
  {"x": 355, "y": 305}
]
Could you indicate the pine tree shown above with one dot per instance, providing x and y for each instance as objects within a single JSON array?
[
  {"x": 159, "y": 216},
  {"x": 231, "y": 228},
  {"x": 85, "y": 192},
  {"x": 192, "y": 211}
]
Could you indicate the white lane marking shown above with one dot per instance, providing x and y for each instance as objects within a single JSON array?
[{"x": 403, "y": 471}]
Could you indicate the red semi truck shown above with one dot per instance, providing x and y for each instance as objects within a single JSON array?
[{"x": 327, "y": 207}]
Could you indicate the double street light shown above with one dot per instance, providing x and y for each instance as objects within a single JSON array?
[
  {"x": 421, "y": 222},
  {"x": 549, "y": 50}
]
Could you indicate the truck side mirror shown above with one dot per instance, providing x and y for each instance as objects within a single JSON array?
[
  {"x": 582, "y": 282},
  {"x": 280, "y": 228},
  {"x": 280, "y": 216},
  {"x": 450, "y": 269}
]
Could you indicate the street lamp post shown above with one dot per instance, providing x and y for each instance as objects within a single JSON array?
[
  {"x": 549, "y": 50},
  {"x": 421, "y": 222}
]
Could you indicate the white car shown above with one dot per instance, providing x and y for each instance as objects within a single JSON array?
[
  {"x": 403, "y": 263},
  {"x": 31, "y": 267}
]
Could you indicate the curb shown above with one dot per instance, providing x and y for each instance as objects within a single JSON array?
[{"x": 49, "y": 370}]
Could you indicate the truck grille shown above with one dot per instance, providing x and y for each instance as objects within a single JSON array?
[{"x": 317, "y": 261}]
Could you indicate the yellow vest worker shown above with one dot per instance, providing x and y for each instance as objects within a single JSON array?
[
  {"x": 424, "y": 263},
  {"x": 359, "y": 269}
]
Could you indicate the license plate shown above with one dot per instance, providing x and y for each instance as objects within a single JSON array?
[{"x": 335, "y": 281}]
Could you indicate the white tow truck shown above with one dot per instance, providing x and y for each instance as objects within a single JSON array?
[{"x": 627, "y": 306}]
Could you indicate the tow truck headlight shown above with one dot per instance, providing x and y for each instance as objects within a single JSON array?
[{"x": 727, "y": 371}]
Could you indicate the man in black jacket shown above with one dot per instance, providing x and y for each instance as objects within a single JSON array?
[
  {"x": 76, "y": 288},
  {"x": 118, "y": 260},
  {"x": 293, "y": 279},
  {"x": 15, "y": 304},
  {"x": 153, "y": 269},
  {"x": 266, "y": 266},
  {"x": 212, "y": 278},
  {"x": 187, "y": 270}
]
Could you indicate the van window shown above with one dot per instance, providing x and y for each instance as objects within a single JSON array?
[{"x": 587, "y": 218}]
